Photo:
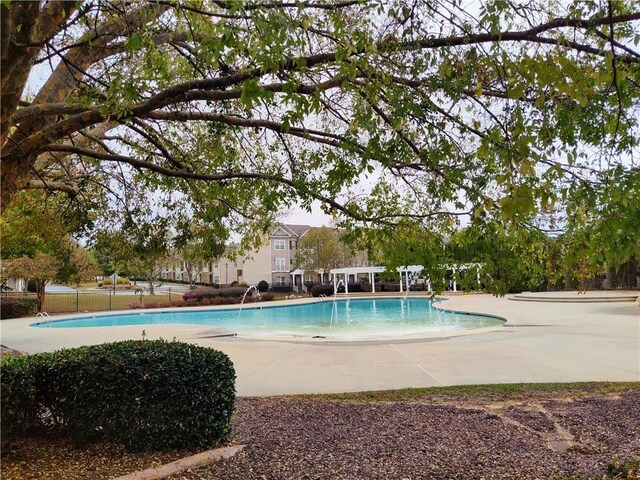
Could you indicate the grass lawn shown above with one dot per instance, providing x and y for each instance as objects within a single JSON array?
[{"x": 93, "y": 302}]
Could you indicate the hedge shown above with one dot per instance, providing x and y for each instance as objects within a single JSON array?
[
  {"x": 192, "y": 302},
  {"x": 145, "y": 395},
  {"x": 263, "y": 286},
  {"x": 11, "y": 307},
  {"x": 389, "y": 287},
  {"x": 282, "y": 288},
  {"x": 208, "y": 293},
  {"x": 326, "y": 289}
]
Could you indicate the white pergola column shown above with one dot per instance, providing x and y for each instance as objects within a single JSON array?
[
  {"x": 346, "y": 283},
  {"x": 400, "y": 281},
  {"x": 455, "y": 285},
  {"x": 373, "y": 282}
]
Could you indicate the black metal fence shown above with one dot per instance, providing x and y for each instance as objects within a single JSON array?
[{"x": 78, "y": 301}]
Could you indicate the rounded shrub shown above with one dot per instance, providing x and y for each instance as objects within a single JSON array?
[
  {"x": 145, "y": 395},
  {"x": 263, "y": 286},
  {"x": 325, "y": 289},
  {"x": 11, "y": 307}
]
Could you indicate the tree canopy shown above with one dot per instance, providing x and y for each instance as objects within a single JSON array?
[
  {"x": 321, "y": 249},
  {"x": 387, "y": 112}
]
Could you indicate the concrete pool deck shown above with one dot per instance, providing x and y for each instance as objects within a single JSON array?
[{"x": 541, "y": 342}]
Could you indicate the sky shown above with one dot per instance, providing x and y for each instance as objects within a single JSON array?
[{"x": 298, "y": 216}]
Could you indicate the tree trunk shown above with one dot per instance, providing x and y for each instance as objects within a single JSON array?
[
  {"x": 151, "y": 279},
  {"x": 190, "y": 275},
  {"x": 40, "y": 295}
]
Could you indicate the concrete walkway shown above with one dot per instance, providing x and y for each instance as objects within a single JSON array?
[{"x": 542, "y": 342}]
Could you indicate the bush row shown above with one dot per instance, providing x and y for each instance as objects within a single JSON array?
[
  {"x": 193, "y": 302},
  {"x": 119, "y": 281},
  {"x": 328, "y": 289},
  {"x": 11, "y": 307},
  {"x": 145, "y": 395},
  {"x": 202, "y": 293},
  {"x": 186, "y": 282}
]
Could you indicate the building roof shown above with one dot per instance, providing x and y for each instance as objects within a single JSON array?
[{"x": 294, "y": 230}]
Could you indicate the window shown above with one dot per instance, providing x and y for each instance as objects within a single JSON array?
[
  {"x": 216, "y": 279},
  {"x": 293, "y": 244},
  {"x": 279, "y": 244},
  {"x": 216, "y": 264},
  {"x": 291, "y": 262},
  {"x": 280, "y": 281},
  {"x": 309, "y": 279},
  {"x": 280, "y": 264}
]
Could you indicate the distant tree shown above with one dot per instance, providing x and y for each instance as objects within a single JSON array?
[
  {"x": 78, "y": 265},
  {"x": 321, "y": 248},
  {"x": 197, "y": 244},
  {"x": 35, "y": 224},
  {"x": 506, "y": 259},
  {"x": 41, "y": 269},
  {"x": 139, "y": 249}
]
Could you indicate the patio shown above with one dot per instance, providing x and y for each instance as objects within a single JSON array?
[{"x": 542, "y": 342}]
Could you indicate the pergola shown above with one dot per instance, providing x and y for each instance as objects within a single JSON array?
[{"x": 405, "y": 275}]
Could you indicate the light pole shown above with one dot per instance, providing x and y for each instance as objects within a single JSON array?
[{"x": 226, "y": 273}]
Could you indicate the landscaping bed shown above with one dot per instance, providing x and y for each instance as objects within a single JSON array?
[{"x": 517, "y": 431}]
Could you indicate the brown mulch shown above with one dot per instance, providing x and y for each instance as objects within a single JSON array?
[
  {"x": 540, "y": 436},
  {"x": 59, "y": 459}
]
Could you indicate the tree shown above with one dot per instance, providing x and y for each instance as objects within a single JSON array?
[
  {"x": 37, "y": 225},
  {"x": 498, "y": 109},
  {"x": 197, "y": 244},
  {"x": 321, "y": 249},
  {"x": 41, "y": 269},
  {"x": 139, "y": 249}
]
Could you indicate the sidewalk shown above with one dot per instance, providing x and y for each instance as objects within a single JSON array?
[{"x": 542, "y": 342}]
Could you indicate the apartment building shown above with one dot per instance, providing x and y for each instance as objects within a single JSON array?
[
  {"x": 273, "y": 262},
  {"x": 284, "y": 244},
  {"x": 223, "y": 270}
]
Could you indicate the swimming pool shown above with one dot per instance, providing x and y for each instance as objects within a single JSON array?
[{"x": 341, "y": 319}]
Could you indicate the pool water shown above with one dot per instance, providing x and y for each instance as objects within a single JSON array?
[{"x": 351, "y": 318}]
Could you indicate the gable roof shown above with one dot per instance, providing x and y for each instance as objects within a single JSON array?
[
  {"x": 299, "y": 230},
  {"x": 296, "y": 231}
]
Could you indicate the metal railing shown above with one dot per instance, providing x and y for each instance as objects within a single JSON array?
[{"x": 80, "y": 301}]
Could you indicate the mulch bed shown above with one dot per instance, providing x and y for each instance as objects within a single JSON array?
[
  {"x": 538, "y": 436},
  {"x": 59, "y": 459}
]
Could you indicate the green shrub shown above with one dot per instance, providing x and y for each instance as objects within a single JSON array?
[
  {"x": 326, "y": 289},
  {"x": 263, "y": 286},
  {"x": 11, "y": 307},
  {"x": 208, "y": 293},
  {"x": 145, "y": 395},
  {"x": 119, "y": 281}
]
